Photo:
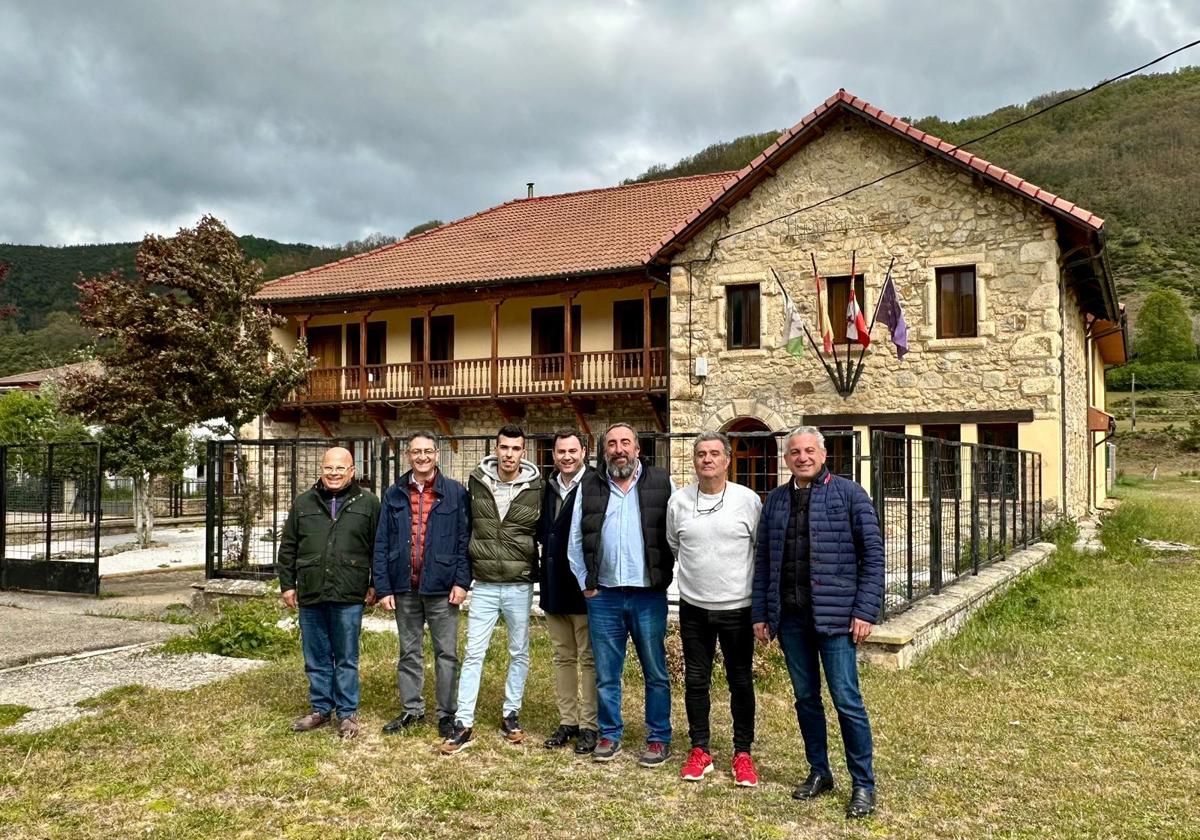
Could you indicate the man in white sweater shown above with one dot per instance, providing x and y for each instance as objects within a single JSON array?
[{"x": 711, "y": 527}]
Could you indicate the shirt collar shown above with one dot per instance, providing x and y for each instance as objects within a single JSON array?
[
  {"x": 412, "y": 479},
  {"x": 564, "y": 489}
]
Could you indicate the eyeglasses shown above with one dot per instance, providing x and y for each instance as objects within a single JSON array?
[
  {"x": 416, "y": 452},
  {"x": 336, "y": 470},
  {"x": 698, "y": 511}
]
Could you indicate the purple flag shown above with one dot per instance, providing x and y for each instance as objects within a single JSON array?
[{"x": 891, "y": 313}]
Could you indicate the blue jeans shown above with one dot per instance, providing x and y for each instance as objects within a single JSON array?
[
  {"x": 329, "y": 637},
  {"x": 613, "y": 616},
  {"x": 802, "y": 647},
  {"x": 490, "y": 601}
]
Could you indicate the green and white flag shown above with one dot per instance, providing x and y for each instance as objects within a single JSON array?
[{"x": 793, "y": 327}]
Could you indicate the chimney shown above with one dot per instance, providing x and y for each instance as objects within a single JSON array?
[{"x": 529, "y": 186}]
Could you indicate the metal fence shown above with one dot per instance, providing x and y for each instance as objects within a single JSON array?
[
  {"x": 50, "y": 528},
  {"x": 250, "y": 486},
  {"x": 171, "y": 498},
  {"x": 948, "y": 509}
]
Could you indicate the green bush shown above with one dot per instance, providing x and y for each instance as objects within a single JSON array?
[
  {"x": 247, "y": 629},
  {"x": 1160, "y": 375}
]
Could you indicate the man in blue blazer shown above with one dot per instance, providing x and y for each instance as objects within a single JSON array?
[
  {"x": 422, "y": 571},
  {"x": 818, "y": 588}
]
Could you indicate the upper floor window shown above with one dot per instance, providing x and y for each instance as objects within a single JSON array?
[
  {"x": 837, "y": 292},
  {"x": 741, "y": 317},
  {"x": 956, "y": 302}
]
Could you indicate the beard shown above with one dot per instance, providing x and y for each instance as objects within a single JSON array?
[{"x": 618, "y": 470}]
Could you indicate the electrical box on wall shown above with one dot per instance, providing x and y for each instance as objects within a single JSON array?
[{"x": 701, "y": 367}]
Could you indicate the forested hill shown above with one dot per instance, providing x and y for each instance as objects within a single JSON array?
[
  {"x": 41, "y": 279},
  {"x": 1129, "y": 152}
]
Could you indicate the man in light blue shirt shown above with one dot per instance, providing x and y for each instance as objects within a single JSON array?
[{"x": 619, "y": 553}]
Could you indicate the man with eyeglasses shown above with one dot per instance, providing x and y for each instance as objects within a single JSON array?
[
  {"x": 422, "y": 572},
  {"x": 711, "y": 526},
  {"x": 818, "y": 588},
  {"x": 324, "y": 565}
]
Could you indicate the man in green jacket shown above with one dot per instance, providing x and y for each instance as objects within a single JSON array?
[
  {"x": 325, "y": 569},
  {"x": 506, "y": 503}
]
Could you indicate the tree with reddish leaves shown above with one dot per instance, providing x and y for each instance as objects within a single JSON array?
[{"x": 183, "y": 343}]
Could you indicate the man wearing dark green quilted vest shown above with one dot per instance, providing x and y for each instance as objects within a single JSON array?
[{"x": 506, "y": 503}]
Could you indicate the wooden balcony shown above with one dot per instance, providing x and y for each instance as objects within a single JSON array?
[{"x": 503, "y": 378}]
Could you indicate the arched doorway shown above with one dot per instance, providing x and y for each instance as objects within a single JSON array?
[{"x": 755, "y": 455}]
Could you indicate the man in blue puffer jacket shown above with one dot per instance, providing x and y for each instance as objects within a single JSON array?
[{"x": 818, "y": 588}]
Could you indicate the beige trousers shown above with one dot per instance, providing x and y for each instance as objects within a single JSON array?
[{"x": 574, "y": 671}]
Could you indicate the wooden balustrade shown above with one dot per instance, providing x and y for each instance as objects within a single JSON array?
[{"x": 593, "y": 372}]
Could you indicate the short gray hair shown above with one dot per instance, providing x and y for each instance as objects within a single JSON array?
[
  {"x": 805, "y": 430},
  {"x": 423, "y": 433},
  {"x": 712, "y": 435}
]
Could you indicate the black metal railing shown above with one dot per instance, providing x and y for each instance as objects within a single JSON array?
[
  {"x": 50, "y": 499},
  {"x": 948, "y": 509}
]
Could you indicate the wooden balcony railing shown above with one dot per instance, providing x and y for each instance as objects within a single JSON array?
[{"x": 599, "y": 372}]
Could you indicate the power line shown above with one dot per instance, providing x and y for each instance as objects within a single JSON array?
[{"x": 924, "y": 160}]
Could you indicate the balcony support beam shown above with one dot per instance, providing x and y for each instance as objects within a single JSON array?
[
  {"x": 496, "y": 347},
  {"x": 646, "y": 340},
  {"x": 581, "y": 409},
  {"x": 362, "y": 355}
]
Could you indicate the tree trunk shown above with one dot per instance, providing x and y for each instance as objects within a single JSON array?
[{"x": 143, "y": 509}]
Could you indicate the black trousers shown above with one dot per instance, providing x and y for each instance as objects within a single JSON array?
[{"x": 700, "y": 630}]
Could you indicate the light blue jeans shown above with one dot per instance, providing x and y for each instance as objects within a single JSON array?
[{"x": 490, "y": 602}]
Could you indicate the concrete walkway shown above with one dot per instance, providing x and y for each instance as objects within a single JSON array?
[{"x": 183, "y": 547}]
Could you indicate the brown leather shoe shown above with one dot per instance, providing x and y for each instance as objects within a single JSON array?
[
  {"x": 310, "y": 721},
  {"x": 348, "y": 727}
]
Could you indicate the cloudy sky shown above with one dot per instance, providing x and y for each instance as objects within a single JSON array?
[{"x": 325, "y": 121}]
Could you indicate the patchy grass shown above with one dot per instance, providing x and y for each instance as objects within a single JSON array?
[
  {"x": 1067, "y": 708},
  {"x": 112, "y": 697},
  {"x": 10, "y": 714}
]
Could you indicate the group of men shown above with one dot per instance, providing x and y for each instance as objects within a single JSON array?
[{"x": 603, "y": 544}]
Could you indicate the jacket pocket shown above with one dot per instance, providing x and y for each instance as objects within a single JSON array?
[{"x": 437, "y": 576}]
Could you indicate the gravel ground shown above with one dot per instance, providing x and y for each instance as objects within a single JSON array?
[{"x": 52, "y": 687}]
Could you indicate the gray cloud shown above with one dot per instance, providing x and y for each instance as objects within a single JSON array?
[{"x": 321, "y": 121}]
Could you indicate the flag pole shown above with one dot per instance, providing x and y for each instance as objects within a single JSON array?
[
  {"x": 853, "y": 264},
  {"x": 840, "y": 381},
  {"x": 815, "y": 348},
  {"x": 859, "y": 368}
]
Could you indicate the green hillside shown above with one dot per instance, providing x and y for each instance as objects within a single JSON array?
[{"x": 1129, "y": 152}]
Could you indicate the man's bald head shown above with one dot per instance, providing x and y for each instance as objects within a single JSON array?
[{"x": 337, "y": 468}]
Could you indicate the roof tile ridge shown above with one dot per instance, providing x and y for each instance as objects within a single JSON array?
[{"x": 635, "y": 185}]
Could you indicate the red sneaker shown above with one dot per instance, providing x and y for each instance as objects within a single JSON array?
[
  {"x": 698, "y": 765},
  {"x": 744, "y": 773}
]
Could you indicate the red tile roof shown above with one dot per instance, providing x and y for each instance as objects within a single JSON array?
[
  {"x": 551, "y": 236},
  {"x": 799, "y": 134}
]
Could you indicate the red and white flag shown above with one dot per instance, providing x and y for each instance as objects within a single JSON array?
[{"x": 856, "y": 324}]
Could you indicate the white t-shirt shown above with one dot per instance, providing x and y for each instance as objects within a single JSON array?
[{"x": 713, "y": 540}]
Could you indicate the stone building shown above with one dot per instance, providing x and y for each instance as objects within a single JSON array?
[
  {"x": 1011, "y": 310},
  {"x": 663, "y": 304}
]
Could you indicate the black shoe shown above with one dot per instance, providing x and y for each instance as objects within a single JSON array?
[
  {"x": 445, "y": 727},
  {"x": 511, "y": 729},
  {"x": 586, "y": 742},
  {"x": 861, "y": 804},
  {"x": 459, "y": 739},
  {"x": 402, "y": 722},
  {"x": 561, "y": 736},
  {"x": 813, "y": 786}
]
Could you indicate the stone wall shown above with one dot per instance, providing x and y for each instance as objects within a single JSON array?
[
  {"x": 1077, "y": 436},
  {"x": 934, "y": 216}
]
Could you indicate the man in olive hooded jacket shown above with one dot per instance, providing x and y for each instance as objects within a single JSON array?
[{"x": 506, "y": 503}]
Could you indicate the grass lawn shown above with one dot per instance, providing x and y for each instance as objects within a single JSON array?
[{"x": 1068, "y": 708}]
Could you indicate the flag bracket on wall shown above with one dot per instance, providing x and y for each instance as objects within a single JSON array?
[{"x": 844, "y": 374}]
